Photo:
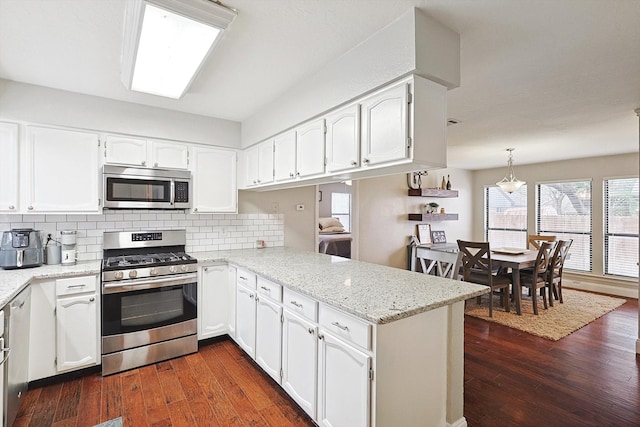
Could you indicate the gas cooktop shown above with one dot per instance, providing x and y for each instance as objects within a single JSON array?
[{"x": 147, "y": 260}]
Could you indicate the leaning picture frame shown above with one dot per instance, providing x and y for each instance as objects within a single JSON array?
[
  {"x": 438, "y": 236},
  {"x": 424, "y": 234}
]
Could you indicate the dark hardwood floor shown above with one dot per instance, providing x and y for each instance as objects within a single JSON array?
[{"x": 590, "y": 378}]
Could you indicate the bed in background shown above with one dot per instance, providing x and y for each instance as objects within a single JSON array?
[{"x": 333, "y": 239}]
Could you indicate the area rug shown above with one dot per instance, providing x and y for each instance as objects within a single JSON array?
[
  {"x": 578, "y": 310},
  {"x": 116, "y": 422}
]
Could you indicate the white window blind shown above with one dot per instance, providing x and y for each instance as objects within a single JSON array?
[
  {"x": 341, "y": 208},
  {"x": 563, "y": 209},
  {"x": 506, "y": 217},
  {"x": 621, "y": 227}
]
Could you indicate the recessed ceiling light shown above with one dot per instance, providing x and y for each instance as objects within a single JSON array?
[{"x": 167, "y": 41}]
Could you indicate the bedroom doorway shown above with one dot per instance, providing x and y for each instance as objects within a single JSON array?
[{"x": 337, "y": 222}]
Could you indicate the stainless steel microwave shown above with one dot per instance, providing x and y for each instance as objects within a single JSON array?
[{"x": 140, "y": 188}]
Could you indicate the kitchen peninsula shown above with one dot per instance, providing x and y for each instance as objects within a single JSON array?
[{"x": 409, "y": 326}]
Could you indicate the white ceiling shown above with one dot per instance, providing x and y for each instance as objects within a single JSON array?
[{"x": 555, "y": 79}]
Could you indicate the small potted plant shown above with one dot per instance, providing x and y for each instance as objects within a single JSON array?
[{"x": 432, "y": 207}]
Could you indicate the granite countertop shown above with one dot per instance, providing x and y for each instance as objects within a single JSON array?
[{"x": 372, "y": 292}]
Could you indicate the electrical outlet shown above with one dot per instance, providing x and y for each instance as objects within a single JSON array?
[
  {"x": 300, "y": 207},
  {"x": 275, "y": 207}
]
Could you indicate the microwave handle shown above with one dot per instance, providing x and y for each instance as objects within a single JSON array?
[{"x": 173, "y": 193}]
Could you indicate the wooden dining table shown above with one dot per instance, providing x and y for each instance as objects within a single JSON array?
[{"x": 515, "y": 262}]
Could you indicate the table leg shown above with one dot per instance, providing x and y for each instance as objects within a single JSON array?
[{"x": 517, "y": 290}]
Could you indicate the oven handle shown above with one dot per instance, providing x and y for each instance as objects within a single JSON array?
[{"x": 135, "y": 284}]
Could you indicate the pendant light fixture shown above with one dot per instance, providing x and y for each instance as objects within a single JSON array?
[{"x": 510, "y": 183}]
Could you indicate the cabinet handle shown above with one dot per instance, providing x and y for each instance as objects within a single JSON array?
[
  {"x": 251, "y": 296},
  {"x": 243, "y": 278},
  {"x": 195, "y": 209},
  {"x": 354, "y": 163},
  {"x": 30, "y": 208},
  {"x": 366, "y": 161},
  {"x": 290, "y": 174},
  {"x": 206, "y": 269},
  {"x": 338, "y": 325},
  {"x": 297, "y": 304},
  {"x": 92, "y": 299},
  {"x": 75, "y": 286},
  {"x": 297, "y": 173},
  {"x": 144, "y": 163},
  {"x": 311, "y": 331},
  {"x": 320, "y": 336},
  {"x": 265, "y": 288},
  {"x": 12, "y": 207}
]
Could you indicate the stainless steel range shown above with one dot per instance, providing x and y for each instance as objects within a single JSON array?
[{"x": 149, "y": 299}]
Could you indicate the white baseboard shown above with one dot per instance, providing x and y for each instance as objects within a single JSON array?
[
  {"x": 604, "y": 285},
  {"x": 462, "y": 422}
]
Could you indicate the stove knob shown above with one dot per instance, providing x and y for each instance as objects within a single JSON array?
[
  {"x": 183, "y": 267},
  {"x": 173, "y": 269},
  {"x": 153, "y": 271},
  {"x": 118, "y": 275},
  {"x": 133, "y": 274}
]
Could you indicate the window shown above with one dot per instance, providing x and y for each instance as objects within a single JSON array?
[
  {"x": 506, "y": 217},
  {"x": 621, "y": 227},
  {"x": 341, "y": 208},
  {"x": 563, "y": 209}
]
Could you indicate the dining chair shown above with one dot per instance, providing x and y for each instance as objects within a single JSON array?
[
  {"x": 477, "y": 268},
  {"x": 536, "y": 278},
  {"x": 536, "y": 239},
  {"x": 555, "y": 268}
]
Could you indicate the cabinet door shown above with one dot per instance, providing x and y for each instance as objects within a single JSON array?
[
  {"x": 77, "y": 332},
  {"x": 125, "y": 150},
  {"x": 269, "y": 336},
  {"x": 251, "y": 164},
  {"x": 169, "y": 155},
  {"x": 231, "y": 290},
  {"x": 343, "y": 139},
  {"x": 72, "y": 158},
  {"x": 215, "y": 188},
  {"x": 213, "y": 301},
  {"x": 284, "y": 160},
  {"x": 299, "y": 361},
  {"x": 265, "y": 162},
  {"x": 344, "y": 387},
  {"x": 9, "y": 169},
  {"x": 246, "y": 320},
  {"x": 42, "y": 331},
  {"x": 385, "y": 126},
  {"x": 310, "y": 149}
]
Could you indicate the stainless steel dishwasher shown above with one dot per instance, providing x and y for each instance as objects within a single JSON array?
[{"x": 16, "y": 335}]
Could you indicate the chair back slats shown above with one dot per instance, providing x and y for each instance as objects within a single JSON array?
[
  {"x": 476, "y": 260},
  {"x": 559, "y": 255},
  {"x": 535, "y": 240},
  {"x": 543, "y": 261}
]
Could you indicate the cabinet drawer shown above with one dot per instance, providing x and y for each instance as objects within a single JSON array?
[
  {"x": 75, "y": 285},
  {"x": 345, "y": 326},
  {"x": 269, "y": 289},
  {"x": 300, "y": 304},
  {"x": 246, "y": 278}
]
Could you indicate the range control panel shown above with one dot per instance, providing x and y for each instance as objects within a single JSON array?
[{"x": 145, "y": 237}]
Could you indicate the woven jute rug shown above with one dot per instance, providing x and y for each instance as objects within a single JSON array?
[{"x": 578, "y": 310}]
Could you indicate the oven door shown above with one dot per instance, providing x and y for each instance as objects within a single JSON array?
[{"x": 147, "y": 304}]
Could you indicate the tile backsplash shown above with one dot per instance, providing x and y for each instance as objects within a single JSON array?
[{"x": 205, "y": 232}]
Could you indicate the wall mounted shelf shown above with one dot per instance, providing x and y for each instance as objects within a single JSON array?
[
  {"x": 432, "y": 192},
  {"x": 433, "y": 217}
]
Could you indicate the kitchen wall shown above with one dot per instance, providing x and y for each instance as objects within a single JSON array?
[
  {"x": 205, "y": 232},
  {"x": 596, "y": 169}
]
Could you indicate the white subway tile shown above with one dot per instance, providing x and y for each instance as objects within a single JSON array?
[
  {"x": 22, "y": 224},
  {"x": 114, "y": 217},
  {"x": 90, "y": 225},
  {"x": 107, "y": 225},
  {"x": 131, "y": 217},
  {"x": 148, "y": 216},
  {"x": 141, "y": 224},
  {"x": 76, "y": 218},
  {"x": 156, "y": 224},
  {"x": 163, "y": 216},
  {"x": 56, "y": 218},
  {"x": 178, "y": 216},
  {"x": 8, "y": 218}
]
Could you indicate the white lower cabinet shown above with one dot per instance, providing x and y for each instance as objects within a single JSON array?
[
  {"x": 231, "y": 292},
  {"x": 300, "y": 361},
  {"x": 246, "y": 319},
  {"x": 64, "y": 332},
  {"x": 344, "y": 386},
  {"x": 269, "y": 336},
  {"x": 213, "y": 301}
]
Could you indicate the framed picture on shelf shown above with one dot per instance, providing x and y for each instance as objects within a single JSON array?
[
  {"x": 424, "y": 234},
  {"x": 438, "y": 236}
]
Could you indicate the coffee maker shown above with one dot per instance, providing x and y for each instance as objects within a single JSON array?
[{"x": 68, "y": 249}]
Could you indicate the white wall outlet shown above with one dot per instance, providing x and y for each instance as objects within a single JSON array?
[
  {"x": 275, "y": 207},
  {"x": 300, "y": 207}
]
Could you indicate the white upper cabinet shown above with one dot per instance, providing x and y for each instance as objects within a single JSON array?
[
  {"x": 343, "y": 139},
  {"x": 215, "y": 188},
  {"x": 310, "y": 149},
  {"x": 284, "y": 157},
  {"x": 259, "y": 164},
  {"x": 169, "y": 155},
  {"x": 9, "y": 172},
  {"x": 131, "y": 151},
  {"x": 385, "y": 126},
  {"x": 60, "y": 171},
  {"x": 125, "y": 150}
]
